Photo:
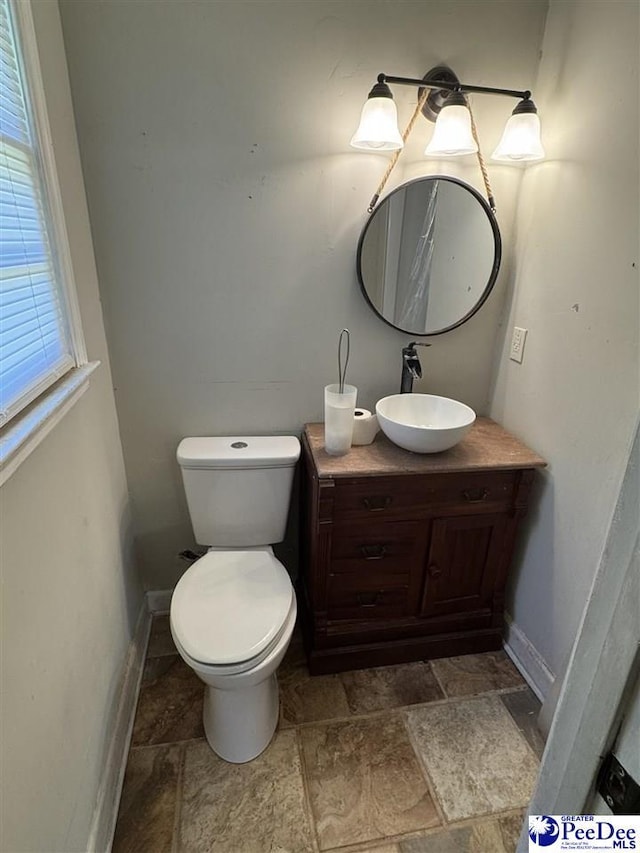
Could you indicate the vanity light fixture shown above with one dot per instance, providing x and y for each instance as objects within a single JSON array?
[{"x": 446, "y": 105}]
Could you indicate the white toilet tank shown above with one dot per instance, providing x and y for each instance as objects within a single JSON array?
[{"x": 238, "y": 487}]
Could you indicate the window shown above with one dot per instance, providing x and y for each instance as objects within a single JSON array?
[{"x": 40, "y": 335}]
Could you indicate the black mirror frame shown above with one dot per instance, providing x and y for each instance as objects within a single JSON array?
[{"x": 494, "y": 270}]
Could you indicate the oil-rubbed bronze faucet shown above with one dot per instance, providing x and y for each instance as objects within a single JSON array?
[{"x": 411, "y": 367}]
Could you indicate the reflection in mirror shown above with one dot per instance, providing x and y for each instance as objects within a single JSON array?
[{"x": 429, "y": 255}]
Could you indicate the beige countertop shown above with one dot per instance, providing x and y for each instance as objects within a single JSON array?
[{"x": 486, "y": 446}]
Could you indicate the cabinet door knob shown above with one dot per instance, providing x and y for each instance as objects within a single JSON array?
[
  {"x": 368, "y": 599},
  {"x": 434, "y": 570},
  {"x": 475, "y": 496},
  {"x": 373, "y": 552},
  {"x": 377, "y": 503}
]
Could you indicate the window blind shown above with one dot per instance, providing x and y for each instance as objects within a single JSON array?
[{"x": 35, "y": 345}]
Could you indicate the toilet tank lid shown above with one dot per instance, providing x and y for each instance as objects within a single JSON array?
[{"x": 239, "y": 451}]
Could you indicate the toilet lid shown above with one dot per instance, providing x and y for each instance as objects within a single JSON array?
[{"x": 230, "y": 605}]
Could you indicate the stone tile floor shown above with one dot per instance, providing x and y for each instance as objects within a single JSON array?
[{"x": 427, "y": 757}]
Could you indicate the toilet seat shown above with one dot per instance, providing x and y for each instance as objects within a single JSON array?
[
  {"x": 205, "y": 669},
  {"x": 229, "y": 609}
]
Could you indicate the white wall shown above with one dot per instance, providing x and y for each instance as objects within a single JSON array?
[
  {"x": 70, "y": 596},
  {"x": 575, "y": 397},
  {"x": 226, "y": 206}
]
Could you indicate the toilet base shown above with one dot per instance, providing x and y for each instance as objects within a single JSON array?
[{"x": 240, "y": 723}]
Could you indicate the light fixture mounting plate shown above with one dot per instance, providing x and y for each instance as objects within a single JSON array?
[{"x": 436, "y": 97}]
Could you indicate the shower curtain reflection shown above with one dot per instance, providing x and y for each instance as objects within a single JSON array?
[{"x": 412, "y": 298}]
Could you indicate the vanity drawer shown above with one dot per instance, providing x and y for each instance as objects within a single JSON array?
[
  {"x": 376, "y": 498},
  {"x": 354, "y": 597},
  {"x": 393, "y": 547},
  {"x": 386, "y": 497}
]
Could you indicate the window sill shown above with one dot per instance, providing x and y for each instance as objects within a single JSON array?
[{"x": 23, "y": 434}]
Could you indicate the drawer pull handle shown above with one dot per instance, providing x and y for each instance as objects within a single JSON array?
[
  {"x": 434, "y": 571},
  {"x": 373, "y": 552},
  {"x": 377, "y": 503},
  {"x": 475, "y": 496},
  {"x": 368, "y": 599}
]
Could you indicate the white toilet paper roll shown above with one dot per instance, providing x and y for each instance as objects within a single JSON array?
[{"x": 365, "y": 427}]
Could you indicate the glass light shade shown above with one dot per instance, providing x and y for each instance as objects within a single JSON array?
[
  {"x": 378, "y": 128},
  {"x": 521, "y": 140},
  {"x": 452, "y": 135}
]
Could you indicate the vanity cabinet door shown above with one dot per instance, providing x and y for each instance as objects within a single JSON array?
[{"x": 463, "y": 564}]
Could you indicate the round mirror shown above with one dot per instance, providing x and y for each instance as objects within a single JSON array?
[{"x": 429, "y": 255}]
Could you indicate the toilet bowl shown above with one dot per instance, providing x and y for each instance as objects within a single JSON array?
[{"x": 232, "y": 616}]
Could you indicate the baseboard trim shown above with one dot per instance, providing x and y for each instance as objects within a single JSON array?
[
  {"x": 105, "y": 814},
  {"x": 159, "y": 600},
  {"x": 527, "y": 659}
]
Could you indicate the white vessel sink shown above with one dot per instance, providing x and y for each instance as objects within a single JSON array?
[{"x": 424, "y": 423}]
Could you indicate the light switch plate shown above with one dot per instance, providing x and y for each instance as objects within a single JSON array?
[{"x": 517, "y": 344}]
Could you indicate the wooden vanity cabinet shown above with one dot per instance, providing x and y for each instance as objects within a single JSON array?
[{"x": 405, "y": 556}]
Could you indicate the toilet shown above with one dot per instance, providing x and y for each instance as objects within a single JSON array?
[{"x": 233, "y": 611}]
